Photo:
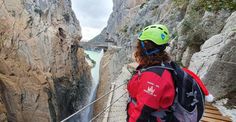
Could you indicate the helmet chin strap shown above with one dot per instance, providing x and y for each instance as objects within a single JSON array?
[{"x": 149, "y": 52}]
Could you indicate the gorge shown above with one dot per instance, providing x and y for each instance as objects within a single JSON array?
[
  {"x": 43, "y": 72},
  {"x": 44, "y": 75}
]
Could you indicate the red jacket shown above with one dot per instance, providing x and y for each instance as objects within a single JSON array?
[{"x": 152, "y": 91}]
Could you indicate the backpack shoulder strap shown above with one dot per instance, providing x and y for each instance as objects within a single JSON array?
[
  {"x": 162, "y": 67},
  {"x": 158, "y": 69}
]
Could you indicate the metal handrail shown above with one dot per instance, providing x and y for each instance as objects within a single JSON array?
[
  {"x": 107, "y": 108},
  {"x": 93, "y": 102}
]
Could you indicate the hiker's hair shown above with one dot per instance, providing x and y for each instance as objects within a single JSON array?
[{"x": 150, "y": 60}]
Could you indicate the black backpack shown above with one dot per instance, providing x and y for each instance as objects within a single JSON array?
[{"x": 188, "y": 105}]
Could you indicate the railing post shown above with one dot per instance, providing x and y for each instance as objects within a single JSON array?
[{"x": 106, "y": 115}]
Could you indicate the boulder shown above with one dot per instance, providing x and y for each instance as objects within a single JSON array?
[{"x": 216, "y": 61}]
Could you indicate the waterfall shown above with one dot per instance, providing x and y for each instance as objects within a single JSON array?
[{"x": 96, "y": 56}]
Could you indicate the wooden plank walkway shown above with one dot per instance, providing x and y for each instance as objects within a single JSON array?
[{"x": 212, "y": 114}]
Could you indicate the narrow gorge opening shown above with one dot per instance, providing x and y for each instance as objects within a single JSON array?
[
  {"x": 92, "y": 24},
  {"x": 93, "y": 58}
]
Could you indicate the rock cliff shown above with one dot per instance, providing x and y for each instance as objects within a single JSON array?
[
  {"x": 43, "y": 72},
  {"x": 215, "y": 62},
  {"x": 202, "y": 37}
]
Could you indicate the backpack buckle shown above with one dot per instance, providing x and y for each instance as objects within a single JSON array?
[
  {"x": 195, "y": 101},
  {"x": 192, "y": 94}
]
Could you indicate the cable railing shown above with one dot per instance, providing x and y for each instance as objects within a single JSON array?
[
  {"x": 104, "y": 110},
  {"x": 86, "y": 106}
]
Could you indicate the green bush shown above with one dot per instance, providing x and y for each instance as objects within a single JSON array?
[
  {"x": 212, "y": 5},
  {"x": 180, "y": 2},
  {"x": 216, "y": 5}
]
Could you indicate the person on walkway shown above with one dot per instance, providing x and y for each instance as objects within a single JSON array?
[
  {"x": 151, "y": 89},
  {"x": 150, "y": 92}
]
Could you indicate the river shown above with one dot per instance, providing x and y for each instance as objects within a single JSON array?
[{"x": 96, "y": 56}]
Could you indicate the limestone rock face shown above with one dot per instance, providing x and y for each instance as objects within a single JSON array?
[
  {"x": 198, "y": 33},
  {"x": 216, "y": 61},
  {"x": 43, "y": 74}
]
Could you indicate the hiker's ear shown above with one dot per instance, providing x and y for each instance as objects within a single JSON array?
[{"x": 132, "y": 56}]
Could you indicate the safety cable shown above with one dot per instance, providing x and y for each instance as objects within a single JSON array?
[
  {"x": 93, "y": 102},
  {"x": 107, "y": 107}
]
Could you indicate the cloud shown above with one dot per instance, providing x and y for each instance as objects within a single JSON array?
[
  {"x": 92, "y": 14},
  {"x": 88, "y": 33}
]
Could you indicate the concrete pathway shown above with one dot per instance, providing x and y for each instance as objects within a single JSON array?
[{"x": 117, "y": 112}]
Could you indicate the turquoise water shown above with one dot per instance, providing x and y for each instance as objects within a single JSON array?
[{"x": 96, "y": 56}]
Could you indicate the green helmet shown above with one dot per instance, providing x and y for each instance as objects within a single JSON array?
[{"x": 156, "y": 33}]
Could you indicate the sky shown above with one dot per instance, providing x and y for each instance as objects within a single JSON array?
[{"x": 93, "y": 16}]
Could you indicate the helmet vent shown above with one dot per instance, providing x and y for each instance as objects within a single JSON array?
[
  {"x": 160, "y": 28},
  {"x": 165, "y": 32},
  {"x": 145, "y": 28},
  {"x": 153, "y": 26}
]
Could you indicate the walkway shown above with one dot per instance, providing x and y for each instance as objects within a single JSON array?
[
  {"x": 117, "y": 101},
  {"x": 117, "y": 112},
  {"x": 212, "y": 114}
]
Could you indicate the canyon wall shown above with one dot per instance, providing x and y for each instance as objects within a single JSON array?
[
  {"x": 43, "y": 72},
  {"x": 202, "y": 38}
]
